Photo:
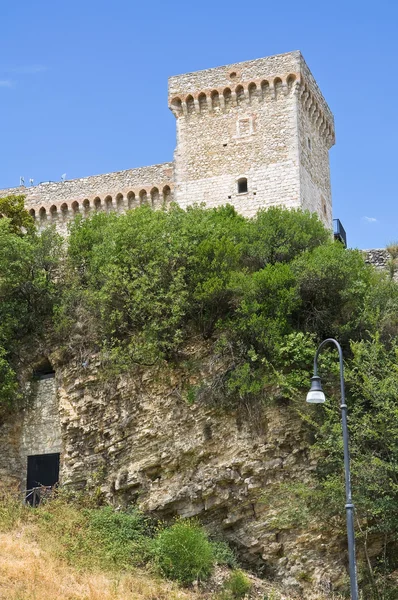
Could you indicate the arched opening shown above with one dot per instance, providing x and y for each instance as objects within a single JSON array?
[
  {"x": 202, "y": 98},
  {"x": 97, "y": 203},
  {"x": 64, "y": 210},
  {"x": 53, "y": 211},
  {"x": 75, "y": 207},
  {"x": 242, "y": 185},
  {"x": 264, "y": 88},
  {"x": 43, "y": 370},
  {"x": 143, "y": 198},
  {"x": 166, "y": 194},
  {"x": 154, "y": 197},
  {"x": 252, "y": 91},
  {"x": 42, "y": 214},
  {"x": 32, "y": 213},
  {"x": 131, "y": 201},
  {"x": 108, "y": 203},
  {"x": 119, "y": 202},
  {"x": 176, "y": 106},
  {"x": 215, "y": 100},
  {"x": 290, "y": 81},
  {"x": 278, "y": 86},
  {"x": 190, "y": 104},
  {"x": 227, "y": 97},
  {"x": 240, "y": 95},
  {"x": 86, "y": 205}
]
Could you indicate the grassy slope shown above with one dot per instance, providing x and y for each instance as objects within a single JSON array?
[
  {"x": 49, "y": 553},
  {"x": 29, "y": 571}
]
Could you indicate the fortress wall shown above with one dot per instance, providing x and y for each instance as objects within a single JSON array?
[
  {"x": 314, "y": 143},
  {"x": 60, "y": 201},
  {"x": 378, "y": 257}
]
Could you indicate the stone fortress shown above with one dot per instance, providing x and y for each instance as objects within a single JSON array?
[{"x": 253, "y": 134}]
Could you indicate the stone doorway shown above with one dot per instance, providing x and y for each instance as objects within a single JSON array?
[{"x": 43, "y": 470}]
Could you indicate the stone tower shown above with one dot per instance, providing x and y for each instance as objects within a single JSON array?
[{"x": 254, "y": 134}]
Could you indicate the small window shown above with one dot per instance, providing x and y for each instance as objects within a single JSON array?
[
  {"x": 309, "y": 143},
  {"x": 242, "y": 185}
]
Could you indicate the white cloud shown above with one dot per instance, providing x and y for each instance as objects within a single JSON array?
[
  {"x": 28, "y": 69},
  {"x": 7, "y": 83},
  {"x": 370, "y": 219}
]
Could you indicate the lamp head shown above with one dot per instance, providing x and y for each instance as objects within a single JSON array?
[{"x": 316, "y": 395}]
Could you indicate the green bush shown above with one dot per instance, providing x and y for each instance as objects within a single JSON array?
[
  {"x": 96, "y": 538},
  {"x": 125, "y": 537},
  {"x": 238, "y": 585},
  {"x": 184, "y": 553},
  {"x": 224, "y": 555}
]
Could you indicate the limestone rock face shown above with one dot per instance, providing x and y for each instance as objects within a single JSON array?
[
  {"x": 141, "y": 441},
  {"x": 141, "y": 438}
]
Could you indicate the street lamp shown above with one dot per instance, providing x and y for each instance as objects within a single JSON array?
[{"x": 316, "y": 396}]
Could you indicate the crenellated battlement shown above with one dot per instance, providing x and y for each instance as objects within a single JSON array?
[
  {"x": 225, "y": 98},
  {"x": 59, "y": 202},
  {"x": 248, "y": 84}
]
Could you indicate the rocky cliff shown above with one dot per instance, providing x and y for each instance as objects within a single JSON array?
[{"x": 144, "y": 438}]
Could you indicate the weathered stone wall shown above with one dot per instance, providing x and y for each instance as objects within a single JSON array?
[
  {"x": 36, "y": 429},
  {"x": 378, "y": 257},
  {"x": 58, "y": 202},
  {"x": 381, "y": 258},
  {"x": 314, "y": 144},
  {"x": 41, "y": 425}
]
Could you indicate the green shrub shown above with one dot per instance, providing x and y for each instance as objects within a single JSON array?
[
  {"x": 123, "y": 536},
  {"x": 96, "y": 538},
  {"x": 184, "y": 553},
  {"x": 224, "y": 555},
  {"x": 238, "y": 585}
]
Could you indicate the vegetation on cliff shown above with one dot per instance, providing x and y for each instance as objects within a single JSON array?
[{"x": 263, "y": 291}]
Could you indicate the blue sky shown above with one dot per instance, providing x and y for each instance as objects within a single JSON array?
[{"x": 83, "y": 87}]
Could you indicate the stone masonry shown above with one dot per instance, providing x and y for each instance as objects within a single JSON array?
[
  {"x": 34, "y": 430},
  {"x": 252, "y": 134}
]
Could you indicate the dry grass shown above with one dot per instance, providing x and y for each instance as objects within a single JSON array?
[
  {"x": 34, "y": 565},
  {"x": 29, "y": 572}
]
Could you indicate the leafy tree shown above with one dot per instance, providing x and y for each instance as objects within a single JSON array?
[
  {"x": 28, "y": 266},
  {"x": 13, "y": 208}
]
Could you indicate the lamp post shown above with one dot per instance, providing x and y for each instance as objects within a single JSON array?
[{"x": 316, "y": 396}]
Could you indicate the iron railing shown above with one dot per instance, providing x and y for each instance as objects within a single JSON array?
[{"x": 37, "y": 495}]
